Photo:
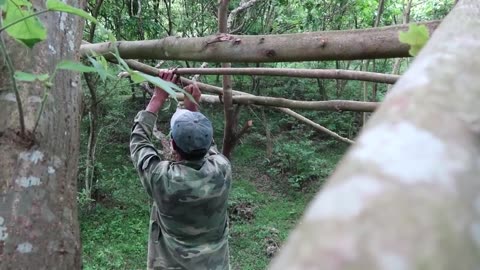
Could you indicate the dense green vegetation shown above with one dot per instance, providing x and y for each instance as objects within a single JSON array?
[
  {"x": 264, "y": 204},
  {"x": 270, "y": 189}
]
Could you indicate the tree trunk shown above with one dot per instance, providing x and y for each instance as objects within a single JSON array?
[
  {"x": 406, "y": 19},
  {"x": 378, "y": 17},
  {"x": 333, "y": 45},
  {"x": 268, "y": 135},
  {"x": 407, "y": 195},
  {"x": 365, "y": 92},
  {"x": 229, "y": 130},
  {"x": 38, "y": 213},
  {"x": 321, "y": 90},
  {"x": 91, "y": 80},
  {"x": 92, "y": 135}
]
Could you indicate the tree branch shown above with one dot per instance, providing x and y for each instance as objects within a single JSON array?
[
  {"x": 331, "y": 45},
  {"x": 291, "y": 72},
  {"x": 233, "y": 14},
  {"x": 329, "y": 105},
  {"x": 216, "y": 90},
  {"x": 316, "y": 126},
  {"x": 242, "y": 132},
  {"x": 196, "y": 77}
]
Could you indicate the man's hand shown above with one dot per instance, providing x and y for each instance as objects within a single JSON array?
[
  {"x": 193, "y": 90},
  {"x": 160, "y": 96}
]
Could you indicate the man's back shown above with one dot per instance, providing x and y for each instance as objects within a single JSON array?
[
  {"x": 192, "y": 211},
  {"x": 188, "y": 226}
]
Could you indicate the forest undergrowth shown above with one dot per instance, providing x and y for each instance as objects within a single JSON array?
[{"x": 268, "y": 195}]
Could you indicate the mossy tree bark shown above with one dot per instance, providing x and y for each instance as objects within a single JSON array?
[
  {"x": 407, "y": 195},
  {"x": 38, "y": 172}
]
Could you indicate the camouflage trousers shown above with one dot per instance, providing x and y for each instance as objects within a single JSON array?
[{"x": 160, "y": 255}]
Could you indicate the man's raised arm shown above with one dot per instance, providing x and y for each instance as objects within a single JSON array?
[{"x": 144, "y": 155}]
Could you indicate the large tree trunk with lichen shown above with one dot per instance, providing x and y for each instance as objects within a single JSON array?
[
  {"x": 407, "y": 195},
  {"x": 38, "y": 215}
]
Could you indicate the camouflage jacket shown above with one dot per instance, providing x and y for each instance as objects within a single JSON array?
[{"x": 188, "y": 221}]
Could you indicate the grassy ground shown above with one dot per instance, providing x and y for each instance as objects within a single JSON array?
[{"x": 263, "y": 209}]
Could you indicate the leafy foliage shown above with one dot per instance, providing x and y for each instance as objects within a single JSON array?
[
  {"x": 24, "y": 27},
  {"x": 416, "y": 36},
  {"x": 298, "y": 162},
  {"x": 55, "y": 5},
  {"x": 75, "y": 66}
]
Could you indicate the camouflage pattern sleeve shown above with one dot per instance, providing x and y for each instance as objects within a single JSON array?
[{"x": 144, "y": 155}]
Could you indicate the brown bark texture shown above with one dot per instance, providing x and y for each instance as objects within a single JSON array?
[
  {"x": 407, "y": 195},
  {"x": 229, "y": 130},
  {"x": 292, "y": 72},
  {"x": 315, "y": 46},
  {"x": 38, "y": 212}
]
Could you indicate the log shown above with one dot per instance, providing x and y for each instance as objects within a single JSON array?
[
  {"x": 407, "y": 195},
  {"x": 329, "y": 105},
  {"x": 370, "y": 43},
  {"x": 299, "y": 73},
  {"x": 217, "y": 90}
]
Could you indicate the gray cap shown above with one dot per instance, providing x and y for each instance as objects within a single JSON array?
[{"x": 191, "y": 131}]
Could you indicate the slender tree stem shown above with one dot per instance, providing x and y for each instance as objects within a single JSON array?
[
  {"x": 44, "y": 99},
  {"x": 11, "y": 71},
  {"x": 23, "y": 18}
]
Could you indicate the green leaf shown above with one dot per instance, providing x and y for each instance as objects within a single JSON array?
[
  {"x": 29, "y": 77},
  {"x": 98, "y": 68},
  {"x": 137, "y": 78},
  {"x": 103, "y": 61},
  {"x": 75, "y": 66},
  {"x": 120, "y": 61},
  {"x": 416, "y": 36},
  {"x": 167, "y": 86},
  {"x": 2, "y": 3},
  {"x": 28, "y": 31},
  {"x": 55, "y": 5}
]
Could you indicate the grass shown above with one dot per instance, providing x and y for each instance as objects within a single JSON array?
[
  {"x": 114, "y": 229},
  {"x": 273, "y": 218}
]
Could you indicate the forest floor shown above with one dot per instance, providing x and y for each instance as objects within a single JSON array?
[{"x": 262, "y": 209}]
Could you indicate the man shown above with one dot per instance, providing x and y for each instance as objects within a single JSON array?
[{"x": 188, "y": 221}]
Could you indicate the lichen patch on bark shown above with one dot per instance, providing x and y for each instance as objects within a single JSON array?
[
  {"x": 3, "y": 230},
  {"x": 29, "y": 181},
  {"x": 32, "y": 156},
  {"x": 408, "y": 154},
  {"x": 392, "y": 261},
  {"x": 344, "y": 200},
  {"x": 25, "y": 247}
]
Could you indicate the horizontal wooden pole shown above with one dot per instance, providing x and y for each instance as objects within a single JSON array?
[
  {"x": 370, "y": 43},
  {"x": 329, "y": 105},
  {"x": 299, "y": 73}
]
